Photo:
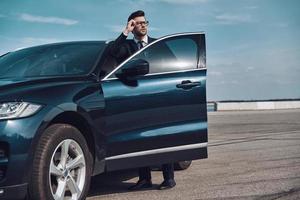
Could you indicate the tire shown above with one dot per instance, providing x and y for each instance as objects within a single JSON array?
[
  {"x": 182, "y": 165},
  {"x": 56, "y": 174}
]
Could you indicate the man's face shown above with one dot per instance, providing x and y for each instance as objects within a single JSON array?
[{"x": 141, "y": 26}]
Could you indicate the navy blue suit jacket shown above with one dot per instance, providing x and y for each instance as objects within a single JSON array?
[{"x": 122, "y": 47}]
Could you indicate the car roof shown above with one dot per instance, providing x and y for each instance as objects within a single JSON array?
[{"x": 63, "y": 43}]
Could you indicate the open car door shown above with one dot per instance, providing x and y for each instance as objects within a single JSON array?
[{"x": 155, "y": 104}]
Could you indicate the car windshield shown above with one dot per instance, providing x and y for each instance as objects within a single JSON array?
[{"x": 51, "y": 60}]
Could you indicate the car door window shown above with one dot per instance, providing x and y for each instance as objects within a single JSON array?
[
  {"x": 174, "y": 54},
  {"x": 171, "y": 55}
]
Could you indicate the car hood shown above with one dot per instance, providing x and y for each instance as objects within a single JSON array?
[
  {"x": 9, "y": 85},
  {"x": 41, "y": 89},
  {"x": 33, "y": 80},
  {"x": 8, "y": 82}
]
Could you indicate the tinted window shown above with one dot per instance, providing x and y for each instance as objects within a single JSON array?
[
  {"x": 171, "y": 55},
  {"x": 50, "y": 60}
]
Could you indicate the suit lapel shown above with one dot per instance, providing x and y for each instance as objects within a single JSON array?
[{"x": 133, "y": 46}]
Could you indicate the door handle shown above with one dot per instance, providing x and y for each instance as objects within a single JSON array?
[{"x": 187, "y": 84}]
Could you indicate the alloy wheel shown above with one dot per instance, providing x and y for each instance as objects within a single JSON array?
[{"x": 67, "y": 171}]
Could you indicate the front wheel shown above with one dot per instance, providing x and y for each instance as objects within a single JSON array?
[{"x": 62, "y": 165}]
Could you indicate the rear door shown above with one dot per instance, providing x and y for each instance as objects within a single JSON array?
[{"x": 159, "y": 117}]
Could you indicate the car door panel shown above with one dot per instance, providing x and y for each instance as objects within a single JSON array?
[
  {"x": 155, "y": 113},
  {"x": 159, "y": 117}
]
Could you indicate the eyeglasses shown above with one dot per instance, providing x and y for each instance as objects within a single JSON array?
[{"x": 144, "y": 23}]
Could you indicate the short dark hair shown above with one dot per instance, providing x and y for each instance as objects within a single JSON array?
[{"x": 138, "y": 13}]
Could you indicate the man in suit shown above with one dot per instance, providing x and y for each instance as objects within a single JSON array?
[{"x": 121, "y": 49}]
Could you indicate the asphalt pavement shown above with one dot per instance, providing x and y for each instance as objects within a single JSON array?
[{"x": 252, "y": 155}]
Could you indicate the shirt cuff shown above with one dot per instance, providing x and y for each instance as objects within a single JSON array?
[{"x": 124, "y": 33}]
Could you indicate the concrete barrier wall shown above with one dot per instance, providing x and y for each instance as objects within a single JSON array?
[
  {"x": 262, "y": 105},
  {"x": 211, "y": 106}
]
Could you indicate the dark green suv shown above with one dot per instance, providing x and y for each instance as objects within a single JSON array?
[{"x": 68, "y": 112}]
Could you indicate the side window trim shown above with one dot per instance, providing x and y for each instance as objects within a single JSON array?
[
  {"x": 202, "y": 52},
  {"x": 159, "y": 73},
  {"x": 158, "y": 40}
]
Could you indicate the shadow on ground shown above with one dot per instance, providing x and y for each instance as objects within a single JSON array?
[{"x": 113, "y": 182}]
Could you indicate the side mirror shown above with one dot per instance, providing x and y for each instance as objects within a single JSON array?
[{"x": 133, "y": 68}]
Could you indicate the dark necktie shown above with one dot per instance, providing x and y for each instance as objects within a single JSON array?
[{"x": 140, "y": 44}]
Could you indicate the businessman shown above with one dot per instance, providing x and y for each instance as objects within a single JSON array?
[{"x": 121, "y": 49}]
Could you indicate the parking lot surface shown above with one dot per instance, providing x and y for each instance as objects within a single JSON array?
[{"x": 252, "y": 155}]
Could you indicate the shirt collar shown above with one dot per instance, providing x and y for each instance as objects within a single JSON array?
[{"x": 145, "y": 40}]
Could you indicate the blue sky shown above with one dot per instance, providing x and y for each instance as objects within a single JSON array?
[{"x": 253, "y": 46}]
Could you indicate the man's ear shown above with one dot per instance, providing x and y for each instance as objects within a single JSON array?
[{"x": 133, "y": 31}]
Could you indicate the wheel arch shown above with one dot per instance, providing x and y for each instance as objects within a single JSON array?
[
  {"x": 41, "y": 185},
  {"x": 79, "y": 122}
]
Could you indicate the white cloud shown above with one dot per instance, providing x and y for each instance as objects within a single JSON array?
[
  {"x": 42, "y": 40},
  {"x": 203, "y": 24},
  {"x": 234, "y": 82},
  {"x": 184, "y": 1},
  {"x": 32, "y": 41},
  {"x": 25, "y": 42},
  {"x": 143, "y": 2},
  {"x": 233, "y": 19},
  {"x": 281, "y": 25},
  {"x": 251, "y": 7},
  {"x": 152, "y": 28},
  {"x": 50, "y": 20},
  {"x": 116, "y": 28},
  {"x": 250, "y": 68}
]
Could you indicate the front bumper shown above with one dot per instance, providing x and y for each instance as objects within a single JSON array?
[
  {"x": 18, "y": 139},
  {"x": 13, "y": 192}
]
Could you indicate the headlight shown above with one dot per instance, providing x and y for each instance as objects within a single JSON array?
[{"x": 13, "y": 110}]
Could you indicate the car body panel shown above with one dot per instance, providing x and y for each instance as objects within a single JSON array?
[{"x": 155, "y": 109}]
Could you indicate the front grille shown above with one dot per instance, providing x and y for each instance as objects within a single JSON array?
[
  {"x": 2, "y": 172},
  {"x": 3, "y": 159},
  {"x": 2, "y": 153}
]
